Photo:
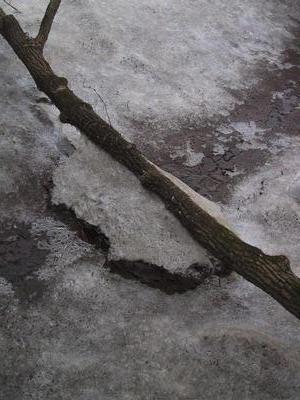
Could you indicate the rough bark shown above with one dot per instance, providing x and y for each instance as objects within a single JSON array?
[
  {"x": 47, "y": 22},
  {"x": 270, "y": 273}
]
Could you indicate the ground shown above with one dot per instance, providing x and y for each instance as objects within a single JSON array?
[{"x": 209, "y": 91}]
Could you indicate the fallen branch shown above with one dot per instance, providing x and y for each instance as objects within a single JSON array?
[{"x": 270, "y": 273}]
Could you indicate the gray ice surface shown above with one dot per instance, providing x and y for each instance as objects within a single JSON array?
[{"x": 83, "y": 333}]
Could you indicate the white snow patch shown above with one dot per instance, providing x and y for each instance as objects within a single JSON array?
[
  {"x": 171, "y": 58},
  {"x": 219, "y": 149},
  {"x": 265, "y": 208},
  {"x": 192, "y": 158},
  {"x": 5, "y": 288},
  {"x": 248, "y": 129},
  {"x": 235, "y": 172},
  {"x": 104, "y": 193},
  {"x": 63, "y": 245}
]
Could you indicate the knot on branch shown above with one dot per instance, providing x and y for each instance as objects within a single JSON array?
[
  {"x": 86, "y": 106},
  {"x": 282, "y": 262},
  {"x": 130, "y": 146},
  {"x": 58, "y": 84},
  {"x": 146, "y": 178},
  {"x": 64, "y": 119}
]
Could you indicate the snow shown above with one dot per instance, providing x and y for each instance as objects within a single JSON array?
[
  {"x": 179, "y": 57},
  {"x": 247, "y": 129},
  {"x": 192, "y": 158},
  {"x": 265, "y": 207},
  {"x": 93, "y": 334},
  {"x": 106, "y": 194}
]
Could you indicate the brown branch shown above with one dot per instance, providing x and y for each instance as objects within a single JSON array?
[
  {"x": 47, "y": 22},
  {"x": 270, "y": 273}
]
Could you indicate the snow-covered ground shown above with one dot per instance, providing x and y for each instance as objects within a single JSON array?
[{"x": 71, "y": 329}]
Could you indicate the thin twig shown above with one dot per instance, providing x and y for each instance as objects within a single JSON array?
[
  {"x": 101, "y": 99},
  {"x": 47, "y": 22},
  {"x": 104, "y": 104},
  {"x": 13, "y": 7}
]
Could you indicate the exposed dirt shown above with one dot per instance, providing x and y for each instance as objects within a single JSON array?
[{"x": 158, "y": 277}]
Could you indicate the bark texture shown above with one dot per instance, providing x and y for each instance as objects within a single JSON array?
[
  {"x": 47, "y": 21},
  {"x": 270, "y": 273}
]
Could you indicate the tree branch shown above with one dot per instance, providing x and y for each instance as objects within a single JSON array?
[
  {"x": 270, "y": 273},
  {"x": 47, "y": 22}
]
